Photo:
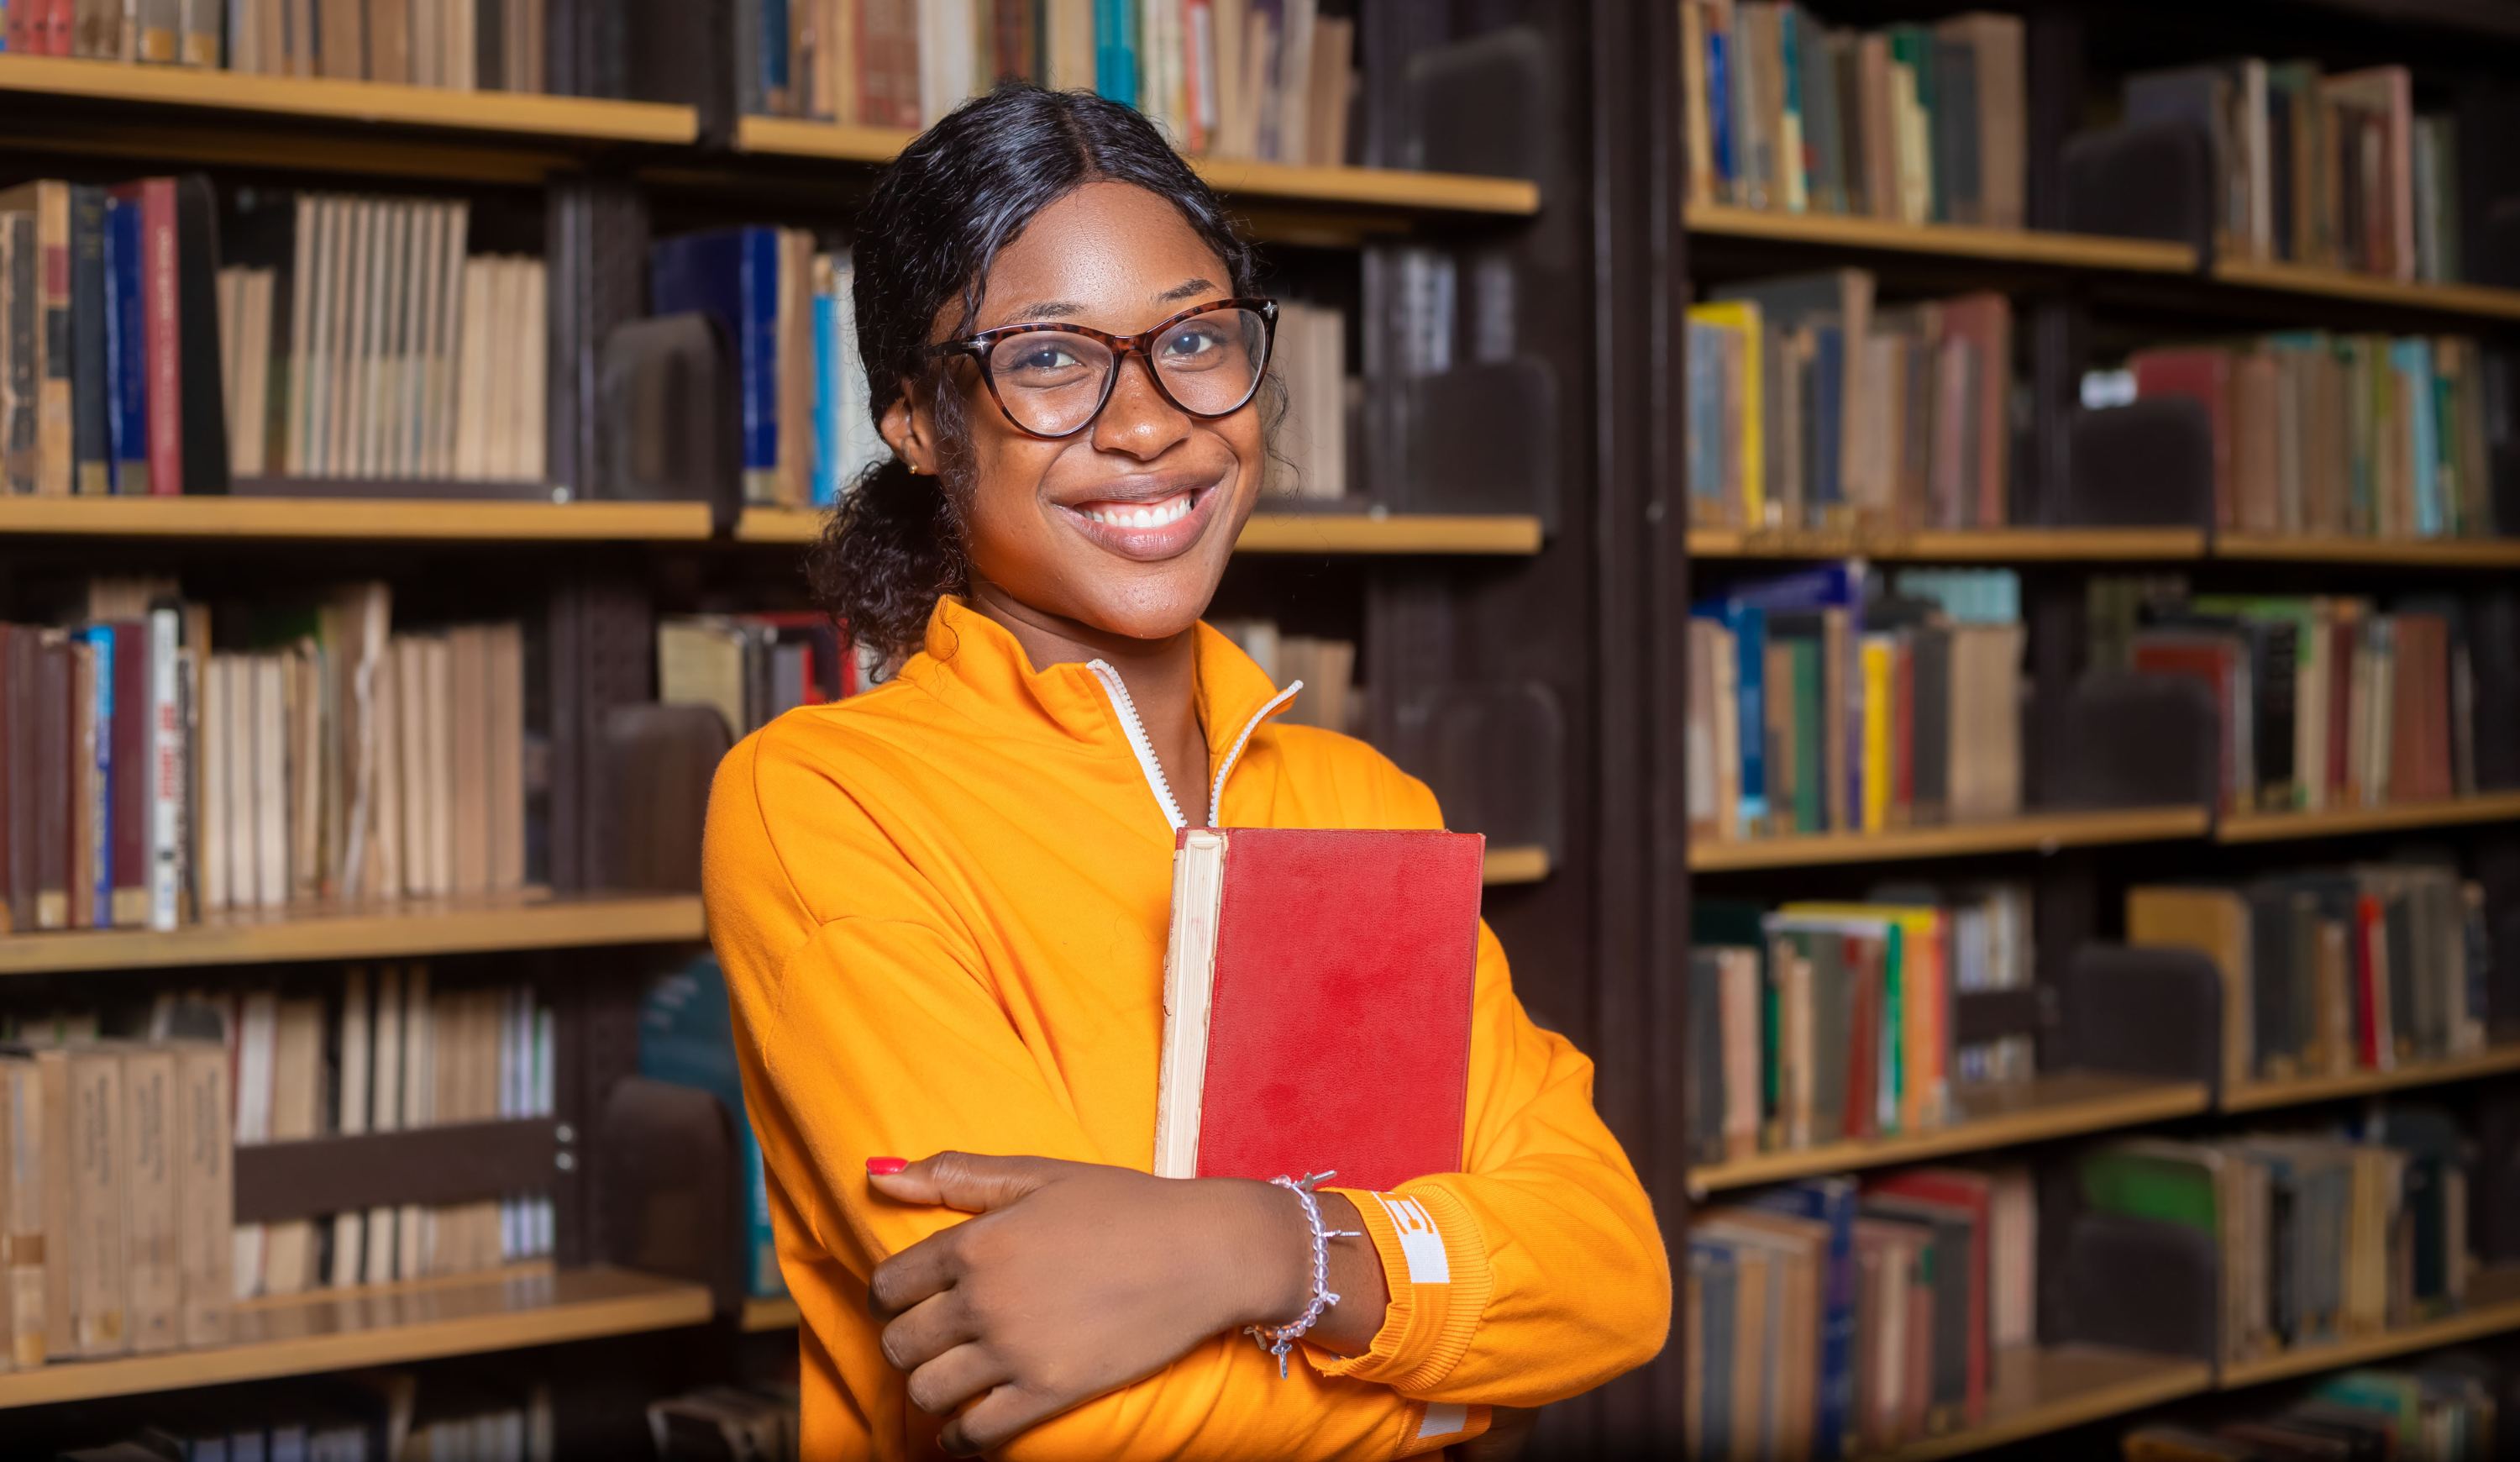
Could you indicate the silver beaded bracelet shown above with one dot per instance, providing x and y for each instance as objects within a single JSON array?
[{"x": 1278, "y": 1340}]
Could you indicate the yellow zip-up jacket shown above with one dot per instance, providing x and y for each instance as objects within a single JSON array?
[{"x": 942, "y": 908}]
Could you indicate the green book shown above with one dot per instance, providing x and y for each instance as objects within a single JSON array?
[
  {"x": 2159, "y": 1181},
  {"x": 1811, "y": 778}
]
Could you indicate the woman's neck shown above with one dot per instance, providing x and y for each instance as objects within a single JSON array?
[{"x": 1162, "y": 677}]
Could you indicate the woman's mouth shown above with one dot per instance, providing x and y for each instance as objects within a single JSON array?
[{"x": 1148, "y": 531}]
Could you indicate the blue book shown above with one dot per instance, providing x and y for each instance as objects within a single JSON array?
[
  {"x": 828, "y": 361},
  {"x": 733, "y": 274},
  {"x": 1115, "y": 49},
  {"x": 1838, "y": 585},
  {"x": 774, "y": 48},
  {"x": 1719, "y": 111},
  {"x": 100, "y": 869},
  {"x": 125, "y": 347},
  {"x": 687, "y": 1037},
  {"x": 1748, "y": 623},
  {"x": 1828, "y": 382},
  {"x": 1711, "y": 1262},
  {"x": 2414, "y": 361},
  {"x": 1830, "y": 1201},
  {"x": 1705, "y": 420}
]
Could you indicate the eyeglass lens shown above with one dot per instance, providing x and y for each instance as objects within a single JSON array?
[{"x": 1053, "y": 381}]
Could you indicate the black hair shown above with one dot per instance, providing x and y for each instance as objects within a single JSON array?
[{"x": 958, "y": 195}]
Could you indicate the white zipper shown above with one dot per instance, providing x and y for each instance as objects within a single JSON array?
[{"x": 1130, "y": 722}]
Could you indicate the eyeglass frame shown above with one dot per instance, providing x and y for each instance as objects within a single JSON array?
[{"x": 1121, "y": 346}]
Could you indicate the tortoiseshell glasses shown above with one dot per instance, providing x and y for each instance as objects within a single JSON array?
[{"x": 1053, "y": 381}]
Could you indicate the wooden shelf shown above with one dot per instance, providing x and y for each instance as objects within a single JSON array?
[
  {"x": 1515, "y": 865},
  {"x": 2039, "y": 1390},
  {"x": 2259, "y": 1096},
  {"x": 1373, "y": 188},
  {"x": 2418, "y": 553},
  {"x": 1956, "y": 241},
  {"x": 763, "y": 1315},
  {"x": 1952, "y": 545},
  {"x": 2273, "y": 827},
  {"x": 1267, "y": 532},
  {"x": 2039, "y": 832},
  {"x": 2492, "y": 1306},
  {"x": 1993, "y": 1114},
  {"x": 384, "y": 1325},
  {"x": 2480, "y": 300},
  {"x": 574, "y": 119},
  {"x": 212, "y": 515},
  {"x": 310, "y": 931}
]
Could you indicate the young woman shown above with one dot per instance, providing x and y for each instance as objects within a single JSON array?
[{"x": 942, "y": 905}]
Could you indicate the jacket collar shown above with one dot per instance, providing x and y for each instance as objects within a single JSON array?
[{"x": 973, "y": 663}]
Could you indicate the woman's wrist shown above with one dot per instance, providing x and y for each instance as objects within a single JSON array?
[{"x": 1273, "y": 1259}]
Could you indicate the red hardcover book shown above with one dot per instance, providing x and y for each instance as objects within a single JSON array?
[
  {"x": 1951, "y": 1187},
  {"x": 2370, "y": 985},
  {"x": 2205, "y": 373},
  {"x": 1861, "y": 956},
  {"x": 54, "y": 21},
  {"x": 16, "y": 30},
  {"x": 1317, "y": 1004},
  {"x": 2420, "y": 753},
  {"x": 130, "y": 799},
  {"x": 162, "y": 331}
]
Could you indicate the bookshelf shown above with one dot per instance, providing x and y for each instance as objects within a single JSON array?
[
  {"x": 1954, "y": 545},
  {"x": 2035, "y": 831},
  {"x": 457, "y": 925},
  {"x": 1515, "y": 865},
  {"x": 762, "y": 1316},
  {"x": 365, "y": 520},
  {"x": 2402, "y": 553},
  {"x": 2476, "y": 301},
  {"x": 1991, "y": 1115},
  {"x": 1843, "y": 232},
  {"x": 336, "y": 1330},
  {"x": 2036, "y": 1390},
  {"x": 2493, "y": 1307},
  {"x": 2263, "y": 1096},
  {"x": 2396, "y": 817},
  {"x": 1272, "y": 532}
]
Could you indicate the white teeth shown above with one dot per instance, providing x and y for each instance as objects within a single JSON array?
[{"x": 1172, "y": 510}]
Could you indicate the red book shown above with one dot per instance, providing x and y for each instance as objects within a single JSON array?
[
  {"x": 56, "y": 29},
  {"x": 1860, "y": 957},
  {"x": 161, "y": 332},
  {"x": 1974, "y": 1193},
  {"x": 130, "y": 798},
  {"x": 2211, "y": 659},
  {"x": 1317, "y": 1004},
  {"x": 19, "y": 36},
  {"x": 2203, "y": 372},
  {"x": 2370, "y": 985}
]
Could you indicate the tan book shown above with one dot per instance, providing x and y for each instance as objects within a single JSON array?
[
  {"x": 418, "y": 1087},
  {"x": 533, "y": 367},
  {"x": 53, "y": 1081},
  {"x": 506, "y": 695},
  {"x": 51, "y": 467},
  {"x": 385, "y": 870},
  {"x": 87, "y": 788},
  {"x": 468, "y": 756},
  {"x": 296, "y": 456},
  {"x": 98, "y": 1257},
  {"x": 206, "y": 1191},
  {"x": 21, "y": 1208},
  {"x": 1985, "y": 722},
  {"x": 384, "y": 1112},
  {"x": 297, "y": 1087},
  {"x": 438, "y": 794},
  {"x": 1334, "y": 78},
  {"x": 473, "y": 380},
  {"x": 2214, "y": 922},
  {"x": 153, "y": 1276}
]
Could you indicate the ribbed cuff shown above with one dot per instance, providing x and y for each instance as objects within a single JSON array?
[{"x": 1436, "y": 1269}]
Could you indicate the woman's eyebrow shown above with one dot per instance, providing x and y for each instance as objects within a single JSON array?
[
  {"x": 1185, "y": 291},
  {"x": 1062, "y": 309}
]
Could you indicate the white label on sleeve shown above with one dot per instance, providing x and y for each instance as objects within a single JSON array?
[
  {"x": 1442, "y": 1419},
  {"x": 1419, "y": 1244}
]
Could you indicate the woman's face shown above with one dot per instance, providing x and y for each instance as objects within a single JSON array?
[{"x": 1125, "y": 526}]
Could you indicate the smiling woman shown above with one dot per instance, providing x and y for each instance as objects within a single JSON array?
[{"x": 942, "y": 905}]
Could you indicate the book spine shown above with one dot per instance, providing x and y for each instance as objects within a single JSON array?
[
  {"x": 91, "y": 442},
  {"x": 126, "y": 346},
  {"x": 830, "y": 427},
  {"x": 205, "y": 1192},
  {"x": 205, "y": 23},
  {"x": 169, "y": 757},
  {"x": 162, "y": 340},
  {"x": 150, "y": 1270},
  {"x": 132, "y": 753},
  {"x": 52, "y": 386},
  {"x": 55, "y": 776},
  {"x": 96, "y": 1222},
  {"x": 21, "y": 1216},
  {"x": 757, "y": 342},
  {"x": 92, "y": 877},
  {"x": 53, "y": 1081}
]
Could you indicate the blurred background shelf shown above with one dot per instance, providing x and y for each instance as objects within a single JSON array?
[
  {"x": 2492, "y": 1306},
  {"x": 2482, "y": 301},
  {"x": 2260, "y": 1096},
  {"x": 469, "y": 519},
  {"x": 311, "y": 932},
  {"x": 2031, "y": 833},
  {"x": 1956, "y": 241},
  {"x": 2271, "y": 827},
  {"x": 763, "y": 1315},
  {"x": 1955, "y": 545},
  {"x": 2039, "y": 1390},
  {"x": 2415, "y": 552}
]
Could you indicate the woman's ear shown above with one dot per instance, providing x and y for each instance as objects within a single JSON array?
[{"x": 908, "y": 436}]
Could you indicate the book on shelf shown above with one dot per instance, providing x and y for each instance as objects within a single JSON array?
[
  {"x": 2319, "y": 1236},
  {"x": 1916, "y": 123},
  {"x": 1812, "y": 405},
  {"x": 2339, "y": 435},
  {"x": 753, "y": 669},
  {"x": 2331, "y": 972},
  {"x": 727, "y": 1421},
  {"x": 364, "y": 1416},
  {"x": 2441, "y": 1406},
  {"x": 687, "y": 1037},
  {"x": 1824, "y": 701},
  {"x": 1263, "y": 79},
  {"x": 1331, "y": 698},
  {"x": 460, "y": 45},
  {"x": 2337, "y": 171},
  {"x": 1834, "y": 1318},
  {"x": 1310, "y": 459},
  {"x": 1819, "y": 1022},
  {"x": 2327, "y": 702},
  {"x": 790, "y": 316}
]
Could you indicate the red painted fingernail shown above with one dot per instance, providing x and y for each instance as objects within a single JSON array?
[{"x": 887, "y": 1166}]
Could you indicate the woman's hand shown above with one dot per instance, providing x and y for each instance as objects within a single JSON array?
[{"x": 1077, "y": 1279}]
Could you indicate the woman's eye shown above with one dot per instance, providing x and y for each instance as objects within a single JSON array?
[
  {"x": 1045, "y": 358},
  {"x": 1189, "y": 343}
]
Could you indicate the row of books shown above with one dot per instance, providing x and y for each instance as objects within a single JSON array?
[
  {"x": 363, "y": 340},
  {"x": 2331, "y": 971},
  {"x": 1266, "y": 79},
  {"x": 108, "y": 368},
  {"x": 1817, "y": 1023},
  {"x": 1822, "y": 702},
  {"x": 753, "y": 669},
  {"x": 1829, "y": 1318},
  {"x": 2442, "y": 1410},
  {"x": 1811, "y": 406},
  {"x": 1326, "y": 667},
  {"x": 2326, "y": 701},
  {"x": 1921, "y": 123},
  {"x": 2367, "y": 436},
  {"x": 462, "y": 45},
  {"x": 1309, "y": 452},
  {"x": 2338, "y": 171},
  {"x": 2319, "y": 1236},
  {"x": 364, "y": 1416}
]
